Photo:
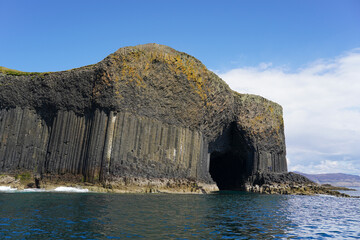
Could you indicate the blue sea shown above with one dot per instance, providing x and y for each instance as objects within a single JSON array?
[{"x": 223, "y": 215}]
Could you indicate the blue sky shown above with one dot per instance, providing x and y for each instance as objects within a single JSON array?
[
  {"x": 302, "y": 54},
  {"x": 57, "y": 35}
]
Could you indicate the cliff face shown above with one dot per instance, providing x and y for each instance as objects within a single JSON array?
[{"x": 145, "y": 112}]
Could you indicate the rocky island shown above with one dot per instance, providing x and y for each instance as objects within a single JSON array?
[{"x": 145, "y": 119}]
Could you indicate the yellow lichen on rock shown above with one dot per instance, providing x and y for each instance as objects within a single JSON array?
[{"x": 136, "y": 64}]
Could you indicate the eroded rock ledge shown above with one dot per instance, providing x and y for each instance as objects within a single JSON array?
[
  {"x": 287, "y": 183},
  {"x": 145, "y": 112}
]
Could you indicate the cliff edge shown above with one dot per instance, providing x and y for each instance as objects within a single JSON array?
[{"x": 146, "y": 118}]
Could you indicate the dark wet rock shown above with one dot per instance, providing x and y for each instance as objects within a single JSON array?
[
  {"x": 261, "y": 178},
  {"x": 287, "y": 183}
]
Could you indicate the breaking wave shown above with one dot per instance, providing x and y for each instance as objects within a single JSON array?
[
  {"x": 58, "y": 189},
  {"x": 70, "y": 189},
  {"x": 7, "y": 189}
]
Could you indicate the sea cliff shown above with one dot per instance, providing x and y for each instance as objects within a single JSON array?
[{"x": 146, "y": 118}]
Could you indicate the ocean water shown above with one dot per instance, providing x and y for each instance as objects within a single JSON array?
[{"x": 225, "y": 215}]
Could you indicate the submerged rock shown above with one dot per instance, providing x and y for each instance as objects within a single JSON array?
[{"x": 144, "y": 112}]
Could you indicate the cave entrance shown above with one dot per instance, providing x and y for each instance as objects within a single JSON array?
[{"x": 228, "y": 159}]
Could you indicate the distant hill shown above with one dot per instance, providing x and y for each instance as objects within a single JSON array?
[{"x": 335, "y": 179}]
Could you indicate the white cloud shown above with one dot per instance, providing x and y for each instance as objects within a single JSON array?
[
  {"x": 321, "y": 105},
  {"x": 326, "y": 166}
]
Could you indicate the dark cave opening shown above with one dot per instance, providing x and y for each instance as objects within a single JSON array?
[
  {"x": 225, "y": 169},
  {"x": 229, "y": 159}
]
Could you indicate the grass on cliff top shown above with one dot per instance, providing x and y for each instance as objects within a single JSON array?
[{"x": 13, "y": 72}]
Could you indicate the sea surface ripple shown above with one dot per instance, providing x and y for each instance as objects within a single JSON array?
[{"x": 225, "y": 215}]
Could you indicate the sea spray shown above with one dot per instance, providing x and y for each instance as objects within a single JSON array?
[
  {"x": 70, "y": 189},
  {"x": 33, "y": 190},
  {"x": 7, "y": 189}
]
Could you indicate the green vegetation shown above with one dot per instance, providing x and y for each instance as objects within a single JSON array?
[
  {"x": 24, "y": 177},
  {"x": 13, "y": 72}
]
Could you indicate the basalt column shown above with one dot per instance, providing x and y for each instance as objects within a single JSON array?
[
  {"x": 147, "y": 112},
  {"x": 24, "y": 139}
]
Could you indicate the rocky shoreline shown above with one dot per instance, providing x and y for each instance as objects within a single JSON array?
[
  {"x": 119, "y": 185},
  {"x": 162, "y": 185},
  {"x": 289, "y": 184},
  {"x": 295, "y": 189}
]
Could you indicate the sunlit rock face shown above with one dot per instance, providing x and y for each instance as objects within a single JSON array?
[{"x": 146, "y": 112}]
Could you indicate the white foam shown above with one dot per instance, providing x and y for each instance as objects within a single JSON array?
[
  {"x": 58, "y": 189},
  {"x": 326, "y": 195},
  {"x": 33, "y": 190},
  {"x": 7, "y": 189},
  {"x": 70, "y": 189}
]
